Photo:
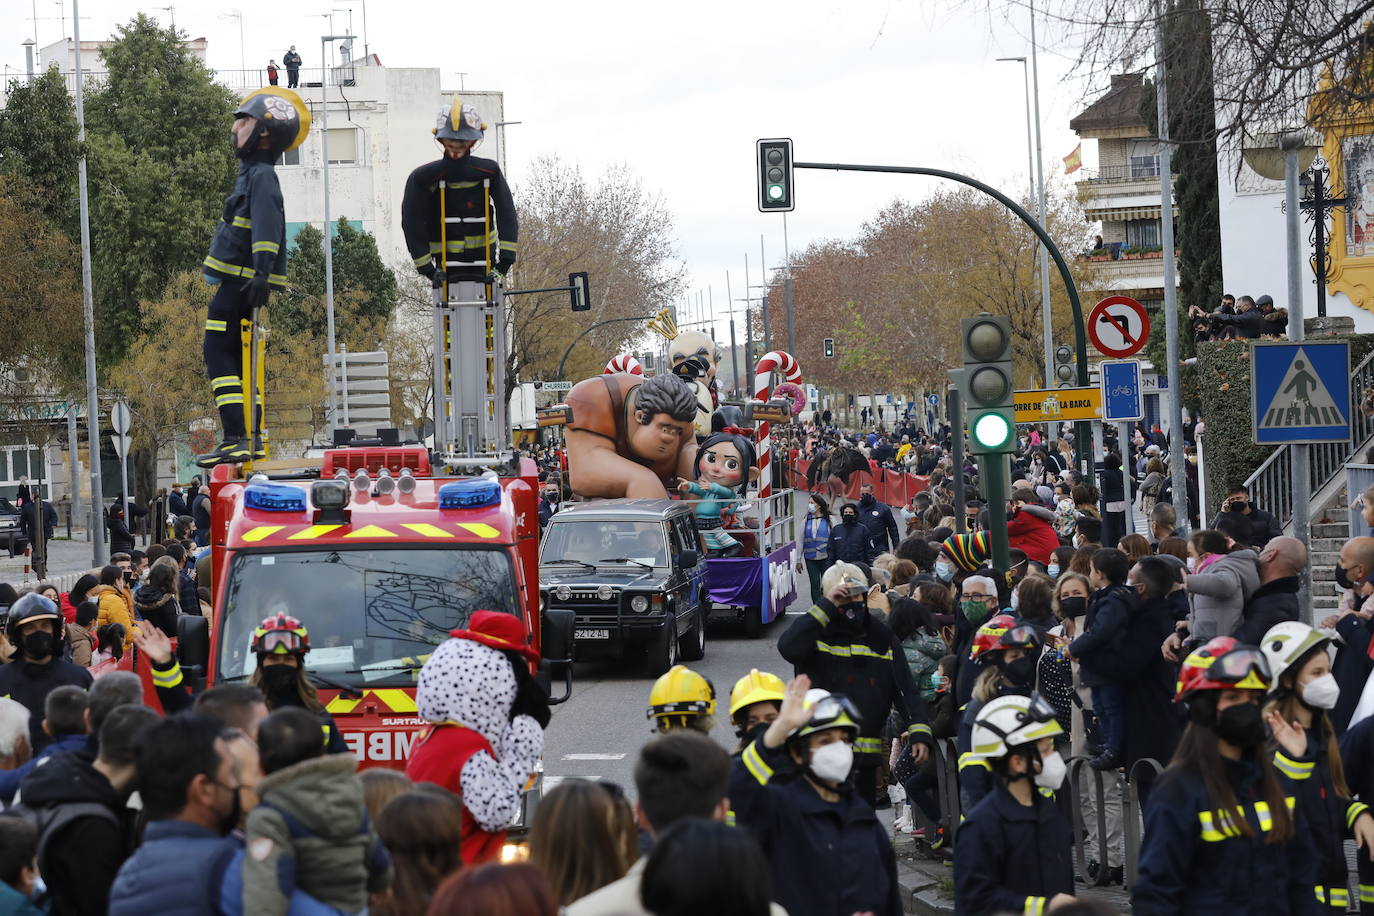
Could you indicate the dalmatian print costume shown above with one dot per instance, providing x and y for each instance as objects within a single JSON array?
[{"x": 473, "y": 685}]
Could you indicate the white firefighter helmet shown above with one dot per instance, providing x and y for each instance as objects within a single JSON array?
[
  {"x": 459, "y": 122},
  {"x": 1009, "y": 722},
  {"x": 1285, "y": 645}
]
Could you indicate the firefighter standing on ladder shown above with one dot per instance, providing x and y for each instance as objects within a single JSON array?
[
  {"x": 247, "y": 259},
  {"x": 471, "y": 244}
]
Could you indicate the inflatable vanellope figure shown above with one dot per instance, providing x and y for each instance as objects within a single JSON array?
[
  {"x": 724, "y": 467},
  {"x": 486, "y": 733}
]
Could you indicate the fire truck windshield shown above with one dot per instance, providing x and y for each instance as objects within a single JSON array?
[{"x": 373, "y": 613}]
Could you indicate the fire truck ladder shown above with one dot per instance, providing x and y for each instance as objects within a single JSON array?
[
  {"x": 469, "y": 346},
  {"x": 253, "y": 343}
]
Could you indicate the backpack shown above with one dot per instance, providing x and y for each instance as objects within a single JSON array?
[{"x": 50, "y": 819}]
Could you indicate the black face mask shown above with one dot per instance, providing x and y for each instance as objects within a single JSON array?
[
  {"x": 750, "y": 735},
  {"x": 1343, "y": 577},
  {"x": 1241, "y": 724},
  {"x": 866, "y": 499},
  {"x": 279, "y": 682},
  {"x": 850, "y": 519},
  {"x": 228, "y": 822},
  {"x": 39, "y": 644},
  {"x": 1020, "y": 672},
  {"x": 1073, "y": 607}
]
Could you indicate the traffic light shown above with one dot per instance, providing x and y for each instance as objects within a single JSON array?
[
  {"x": 986, "y": 384},
  {"x": 828, "y": 348},
  {"x": 1064, "y": 371},
  {"x": 580, "y": 291},
  {"x": 775, "y": 175}
]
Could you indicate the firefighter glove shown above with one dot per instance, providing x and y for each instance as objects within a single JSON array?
[{"x": 255, "y": 291}]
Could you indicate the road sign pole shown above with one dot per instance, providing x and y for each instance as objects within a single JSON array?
[
  {"x": 1123, "y": 436},
  {"x": 1302, "y": 483}
]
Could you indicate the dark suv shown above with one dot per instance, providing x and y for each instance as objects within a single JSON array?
[
  {"x": 630, "y": 571},
  {"x": 12, "y": 539}
]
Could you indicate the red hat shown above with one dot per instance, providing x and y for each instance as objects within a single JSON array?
[{"x": 505, "y": 632}]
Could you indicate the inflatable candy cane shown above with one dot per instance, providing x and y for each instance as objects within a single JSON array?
[
  {"x": 625, "y": 362},
  {"x": 785, "y": 364}
]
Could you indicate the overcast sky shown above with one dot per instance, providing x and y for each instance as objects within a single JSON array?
[{"x": 680, "y": 93}]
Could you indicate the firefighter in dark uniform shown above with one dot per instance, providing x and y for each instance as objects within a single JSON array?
[
  {"x": 247, "y": 258},
  {"x": 459, "y": 129},
  {"x": 1222, "y": 833}
]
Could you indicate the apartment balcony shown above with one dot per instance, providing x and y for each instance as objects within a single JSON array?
[
  {"x": 1120, "y": 193},
  {"x": 1123, "y": 269}
]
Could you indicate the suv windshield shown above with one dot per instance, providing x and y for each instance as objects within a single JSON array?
[
  {"x": 372, "y": 613},
  {"x": 596, "y": 541}
]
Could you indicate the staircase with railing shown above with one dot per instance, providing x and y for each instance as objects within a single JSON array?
[{"x": 1271, "y": 485}]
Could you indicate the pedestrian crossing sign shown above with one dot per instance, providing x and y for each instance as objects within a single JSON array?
[{"x": 1301, "y": 391}]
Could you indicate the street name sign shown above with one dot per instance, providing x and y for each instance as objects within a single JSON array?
[{"x": 1048, "y": 405}]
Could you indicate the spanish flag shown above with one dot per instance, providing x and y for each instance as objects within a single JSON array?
[{"x": 1074, "y": 161}]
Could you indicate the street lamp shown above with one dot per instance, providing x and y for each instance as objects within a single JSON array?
[
  {"x": 1030, "y": 132},
  {"x": 328, "y": 239},
  {"x": 238, "y": 14}
]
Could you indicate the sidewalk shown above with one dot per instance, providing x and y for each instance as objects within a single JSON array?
[{"x": 67, "y": 560}]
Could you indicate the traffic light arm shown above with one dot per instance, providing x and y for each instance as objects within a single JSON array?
[
  {"x": 1080, "y": 335},
  {"x": 585, "y": 331}
]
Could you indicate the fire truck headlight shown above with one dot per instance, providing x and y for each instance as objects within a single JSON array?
[{"x": 329, "y": 494}]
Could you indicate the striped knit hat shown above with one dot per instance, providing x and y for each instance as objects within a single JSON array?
[{"x": 969, "y": 551}]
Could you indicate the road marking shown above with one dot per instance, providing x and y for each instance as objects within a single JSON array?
[
  {"x": 593, "y": 757},
  {"x": 551, "y": 781}
]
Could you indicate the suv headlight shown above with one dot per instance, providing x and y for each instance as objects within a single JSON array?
[
  {"x": 563, "y": 592},
  {"x": 639, "y": 603},
  {"x": 605, "y": 593}
]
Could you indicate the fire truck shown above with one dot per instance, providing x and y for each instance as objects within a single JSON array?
[{"x": 382, "y": 550}]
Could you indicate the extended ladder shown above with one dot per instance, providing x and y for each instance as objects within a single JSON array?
[{"x": 469, "y": 346}]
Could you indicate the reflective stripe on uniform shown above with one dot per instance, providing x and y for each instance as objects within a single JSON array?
[
  {"x": 272, "y": 247},
  {"x": 868, "y": 745},
  {"x": 1354, "y": 811},
  {"x": 325, "y": 729},
  {"x": 1367, "y": 893},
  {"x": 510, "y": 246},
  {"x": 224, "y": 267},
  {"x": 1293, "y": 769},
  {"x": 819, "y": 615},
  {"x": 758, "y": 767},
  {"x": 423, "y": 260},
  {"x": 234, "y": 398},
  {"x": 243, "y": 222},
  {"x": 1218, "y": 826},
  {"x": 850, "y": 651},
  {"x": 225, "y": 381},
  {"x": 215, "y": 324},
  {"x": 918, "y": 728},
  {"x": 972, "y": 760},
  {"x": 1035, "y": 906},
  {"x": 169, "y": 678}
]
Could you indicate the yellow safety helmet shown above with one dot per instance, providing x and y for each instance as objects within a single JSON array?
[
  {"x": 756, "y": 687},
  {"x": 680, "y": 696}
]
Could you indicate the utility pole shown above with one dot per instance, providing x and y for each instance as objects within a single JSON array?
[
  {"x": 1166, "y": 238},
  {"x": 328, "y": 236},
  {"x": 1045, "y": 317},
  {"x": 99, "y": 554},
  {"x": 787, "y": 288}
]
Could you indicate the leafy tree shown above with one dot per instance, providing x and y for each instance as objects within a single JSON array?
[
  {"x": 38, "y": 147},
  {"x": 364, "y": 287}
]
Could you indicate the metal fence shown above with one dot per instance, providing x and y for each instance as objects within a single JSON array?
[
  {"x": 237, "y": 80},
  {"x": 1271, "y": 483}
]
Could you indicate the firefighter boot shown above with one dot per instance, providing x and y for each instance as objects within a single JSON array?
[{"x": 233, "y": 450}]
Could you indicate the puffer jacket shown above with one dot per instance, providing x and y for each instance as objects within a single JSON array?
[
  {"x": 157, "y": 607},
  {"x": 1032, "y": 529},
  {"x": 175, "y": 856},
  {"x": 313, "y": 816},
  {"x": 114, "y": 608},
  {"x": 923, "y": 653},
  {"x": 1219, "y": 594},
  {"x": 82, "y": 643}
]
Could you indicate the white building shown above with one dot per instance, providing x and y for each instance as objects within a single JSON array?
[
  {"x": 381, "y": 122},
  {"x": 62, "y": 54}
]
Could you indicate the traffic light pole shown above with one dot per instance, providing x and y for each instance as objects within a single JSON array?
[
  {"x": 994, "y": 474},
  {"x": 1083, "y": 434},
  {"x": 585, "y": 331},
  {"x": 956, "y": 452}
]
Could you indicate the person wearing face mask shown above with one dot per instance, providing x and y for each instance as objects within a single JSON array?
[
  {"x": 793, "y": 789},
  {"x": 1219, "y": 834},
  {"x": 1006, "y": 651},
  {"x": 816, "y": 543},
  {"x": 1015, "y": 845},
  {"x": 1307, "y": 755},
  {"x": 1108, "y": 618},
  {"x": 850, "y": 542},
  {"x": 33, "y": 624},
  {"x": 281, "y": 644},
  {"x": 839, "y": 644},
  {"x": 980, "y": 598},
  {"x": 754, "y": 703},
  {"x": 1352, "y": 624}
]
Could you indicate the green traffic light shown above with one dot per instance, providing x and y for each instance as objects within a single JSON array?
[
  {"x": 776, "y": 192},
  {"x": 991, "y": 430}
]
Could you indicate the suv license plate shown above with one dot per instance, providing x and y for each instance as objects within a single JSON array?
[{"x": 591, "y": 633}]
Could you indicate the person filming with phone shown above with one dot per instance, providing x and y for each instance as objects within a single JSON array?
[
  {"x": 844, "y": 648},
  {"x": 1263, "y": 525}
]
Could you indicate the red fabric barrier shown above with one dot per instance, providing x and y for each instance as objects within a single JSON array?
[{"x": 892, "y": 487}]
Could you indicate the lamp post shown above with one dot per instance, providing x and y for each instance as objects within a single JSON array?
[
  {"x": 328, "y": 239},
  {"x": 1041, "y": 214},
  {"x": 1030, "y": 131}
]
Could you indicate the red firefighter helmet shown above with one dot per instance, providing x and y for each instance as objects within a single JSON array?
[
  {"x": 1003, "y": 632},
  {"x": 281, "y": 635},
  {"x": 1222, "y": 664}
]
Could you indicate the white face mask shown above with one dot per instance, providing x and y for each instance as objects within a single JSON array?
[
  {"x": 1052, "y": 570},
  {"x": 1052, "y": 771},
  {"x": 1322, "y": 692},
  {"x": 1192, "y": 563},
  {"x": 832, "y": 762},
  {"x": 943, "y": 571},
  {"x": 1015, "y": 600}
]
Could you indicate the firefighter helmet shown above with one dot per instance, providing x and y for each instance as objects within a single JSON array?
[
  {"x": 679, "y": 697},
  {"x": 1003, "y": 632},
  {"x": 280, "y": 114},
  {"x": 1222, "y": 664},
  {"x": 828, "y": 710},
  {"x": 1288, "y": 643},
  {"x": 756, "y": 687},
  {"x": 459, "y": 122},
  {"x": 1007, "y": 722},
  {"x": 281, "y": 635},
  {"x": 33, "y": 606}
]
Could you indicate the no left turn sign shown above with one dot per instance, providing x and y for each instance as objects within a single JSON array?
[{"x": 1119, "y": 326}]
